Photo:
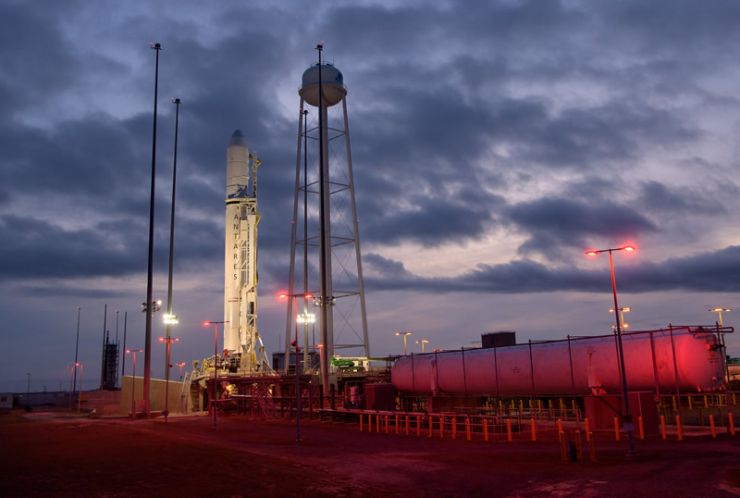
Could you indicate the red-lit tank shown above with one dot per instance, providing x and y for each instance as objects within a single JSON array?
[{"x": 688, "y": 358}]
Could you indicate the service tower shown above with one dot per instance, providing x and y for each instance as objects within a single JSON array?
[{"x": 243, "y": 348}]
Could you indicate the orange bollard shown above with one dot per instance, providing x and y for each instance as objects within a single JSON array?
[
  {"x": 360, "y": 422},
  {"x": 508, "y": 430},
  {"x": 616, "y": 428},
  {"x": 533, "y": 429},
  {"x": 662, "y": 427},
  {"x": 706, "y": 401},
  {"x": 679, "y": 428},
  {"x": 485, "y": 430},
  {"x": 587, "y": 429},
  {"x": 641, "y": 427},
  {"x": 731, "y": 422},
  {"x": 560, "y": 426},
  {"x": 377, "y": 423},
  {"x": 467, "y": 428},
  {"x": 711, "y": 426},
  {"x": 454, "y": 427}
]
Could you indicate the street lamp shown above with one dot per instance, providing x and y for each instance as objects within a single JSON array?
[
  {"x": 133, "y": 380},
  {"x": 627, "y": 420},
  {"x": 622, "y": 311},
  {"x": 168, "y": 340},
  {"x": 181, "y": 365},
  {"x": 215, "y": 363},
  {"x": 423, "y": 342},
  {"x": 719, "y": 312},
  {"x": 305, "y": 318},
  {"x": 404, "y": 335}
]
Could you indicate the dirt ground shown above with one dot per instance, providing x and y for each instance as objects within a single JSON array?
[{"x": 47, "y": 454}]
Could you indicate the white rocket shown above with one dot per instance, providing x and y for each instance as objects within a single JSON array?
[{"x": 241, "y": 338}]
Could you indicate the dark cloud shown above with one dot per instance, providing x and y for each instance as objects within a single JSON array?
[
  {"x": 715, "y": 271},
  {"x": 555, "y": 223}
]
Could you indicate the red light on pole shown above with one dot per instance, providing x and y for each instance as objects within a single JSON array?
[{"x": 627, "y": 418}]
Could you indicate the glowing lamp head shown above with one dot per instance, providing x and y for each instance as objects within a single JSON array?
[
  {"x": 308, "y": 295},
  {"x": 283, "y": 295},
  {"x": 629, "y": 248},
  {"x": 206, "y": 323},
  {"x": 591, "y": 252}
]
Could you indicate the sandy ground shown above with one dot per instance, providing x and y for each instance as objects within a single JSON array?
[{"x": 44, "y": 454}]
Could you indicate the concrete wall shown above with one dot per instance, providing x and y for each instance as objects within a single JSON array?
[{"x": 157, "y": 392}]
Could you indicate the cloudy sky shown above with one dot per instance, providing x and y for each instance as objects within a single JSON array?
[{"x": 492, "y": 144}]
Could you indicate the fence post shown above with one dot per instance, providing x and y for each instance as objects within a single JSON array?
[
  {"x": 616, "y": 428},
  {"x": 407, "y": 425},
  {"x": 467, "y": 427},
  {"x": 386, "y": 424},
  {"x": 662, "y": 427},
  {"x": 533, "y": 428},
  {"x": 431, "y": 422},
  {"x": 731, "y": 423},
  {"x": 679, "y": 428},
  {"x": 454, "y": 427},
  {"x": 485, "y": 429},
  {"x": 508, "y": 430},
  {"x": 579, "y": 445},
  {"x": 592, "y": 447},
  {"x": 397, "y": 428},
  {"x": 360, "y": 422},
  {"x": 441, "y": 426},
  {"x": 711, "y": 426}
]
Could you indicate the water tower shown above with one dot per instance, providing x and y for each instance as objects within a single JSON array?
[{"x": 325, "y": 198}]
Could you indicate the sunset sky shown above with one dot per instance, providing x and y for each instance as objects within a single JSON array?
[{"x": 493, "y": 142}]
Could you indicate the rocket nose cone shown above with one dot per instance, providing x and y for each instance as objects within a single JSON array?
[{"x": 237, "y": 138}]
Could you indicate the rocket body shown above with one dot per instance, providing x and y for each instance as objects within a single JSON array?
[{"x": 240, "y": 264}]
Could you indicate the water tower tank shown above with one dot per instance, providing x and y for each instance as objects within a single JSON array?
[{"x": 332, "y": 84}]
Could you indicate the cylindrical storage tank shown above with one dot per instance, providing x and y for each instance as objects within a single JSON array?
[
  {"x": 585, "y": 365},
  {"x": 332, "y": 85}
]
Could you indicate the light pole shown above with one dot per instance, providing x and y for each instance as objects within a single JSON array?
[
  {"x": 150, "y": 255},
  {"x": 215, "y": 364},
  {"x": 622, "y": 311},
  {"x": 423, "y": 342},
  {"x": 181, "y": 365},
  {"x": 76, "y": 363},
  {"x": 170, "y": 318},
  {"x": 719, "y": 312},
  {"x": 133, "y": 352},
  {"x": 627, "y": 419},
  {"x": 168, "y": 340},
  {"x": 305, "y": 320},
  {"x": 405, "y": 336}
]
